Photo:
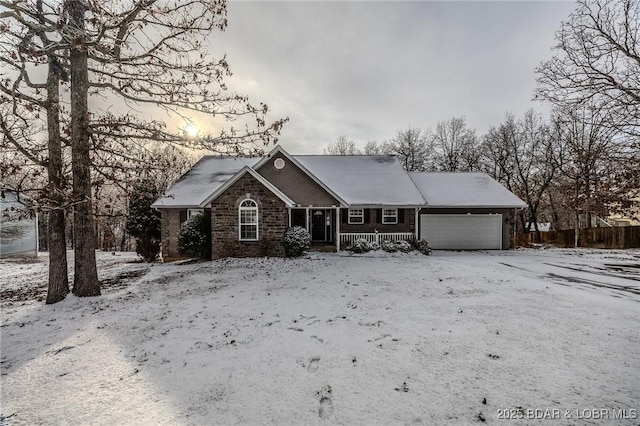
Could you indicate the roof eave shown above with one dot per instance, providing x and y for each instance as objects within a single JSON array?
[
  {"x": 459, "y": 206},
  {"x": 176, "y": 206}
]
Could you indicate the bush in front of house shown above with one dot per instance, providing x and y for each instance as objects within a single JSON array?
[
  {"x": 404, "y": 246},
  {"x": 296, "y": 241},
  {"x": 423, "y": 247},
  {"x": 195, "y": 237},
  {"x": 360, "y": 246},
  {"x": 389, "y": 246}
]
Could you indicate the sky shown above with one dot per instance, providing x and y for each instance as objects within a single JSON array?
[{"x": 366, "y": 69}]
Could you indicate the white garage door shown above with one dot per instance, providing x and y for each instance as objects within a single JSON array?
[{"x": 462, "y": 231}]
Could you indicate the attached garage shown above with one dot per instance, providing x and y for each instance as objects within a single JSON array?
[
  {"x": 465, "y": 211},
  {"x": 462, "y": 231}
]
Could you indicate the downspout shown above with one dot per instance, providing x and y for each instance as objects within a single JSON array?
[{"x": 337, "y": 229}]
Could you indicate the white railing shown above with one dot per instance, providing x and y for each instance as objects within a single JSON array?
[{"x": 375, "y": 237}]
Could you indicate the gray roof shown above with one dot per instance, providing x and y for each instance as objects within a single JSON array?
[
  {"x": 208, "y": 174},
  {"x": 460, "y": 189},
  {"x": 359, "y": 180},
  {"x": 366, "y": 180}
]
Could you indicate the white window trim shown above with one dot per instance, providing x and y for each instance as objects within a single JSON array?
[
  {"x": 385, "y": 217},
  {"x": 193, "y": 212},
  {"x": 240, "y": 224},
  {"x": 352, "y": 216}
]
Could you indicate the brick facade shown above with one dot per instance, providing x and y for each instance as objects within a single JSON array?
[
  {"x": 171, "y": 221},
  {"x": 272, "y": 221},
  {"x": 373, "y": 222}
]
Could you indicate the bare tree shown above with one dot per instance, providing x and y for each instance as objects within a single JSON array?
[
  {"x": 85, "y": 275},
  {"x": 597, "y": 62},
  {"x": 456, "y": 146},
  {"x": 141, "y": 53},
  {"x": 497, "y": 153},
  {"x": 413, "y": 148},
  {"x": 372, "y": 148},
  {"x": 585, "y": 163},
  {"x": 342, "y": 146},
  {"x": 27, "y": 42},
  {"x": 519, "y": 154}
]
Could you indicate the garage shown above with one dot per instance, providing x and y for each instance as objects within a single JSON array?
[{"x": 462, "y": 231}]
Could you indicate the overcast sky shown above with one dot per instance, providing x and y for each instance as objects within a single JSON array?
[{"x": 366, "y": 69}]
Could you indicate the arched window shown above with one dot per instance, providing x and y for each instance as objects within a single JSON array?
[{"x": 248, "y": 214}]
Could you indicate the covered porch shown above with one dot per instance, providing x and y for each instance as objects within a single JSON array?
[{"x": 323, "y": 224}]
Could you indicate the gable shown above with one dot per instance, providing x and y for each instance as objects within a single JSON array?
[
  {"x": 295, "y": 182},
  {"x": 262, "y": 181}
]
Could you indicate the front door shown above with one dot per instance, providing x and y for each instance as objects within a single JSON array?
[{"x": 321, "y": 225}]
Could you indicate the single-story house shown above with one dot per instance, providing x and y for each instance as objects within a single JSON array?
[
  {"x": 18, "y": 225},
  {"x": 338, "y": 199}
]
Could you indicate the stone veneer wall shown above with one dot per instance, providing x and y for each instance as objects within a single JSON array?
[{"x": 272, "y": 221}]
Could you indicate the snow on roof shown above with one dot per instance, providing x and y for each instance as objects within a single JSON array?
[
  {"x": 364, "y": 179},
  {"x": 447, "y": 189},
  {"x": 208, "y": 174}
]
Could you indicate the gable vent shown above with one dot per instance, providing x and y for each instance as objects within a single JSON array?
[{"x": 278, "y": 163}]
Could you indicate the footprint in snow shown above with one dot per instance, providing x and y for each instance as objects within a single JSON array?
[
  {"x": 326, "y": 406},
  {"x": 313, "y": 364}
]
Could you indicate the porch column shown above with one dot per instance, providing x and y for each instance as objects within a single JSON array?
[
  {"x": 417, "y": 222},
  {"x": 337, "y": 229}
]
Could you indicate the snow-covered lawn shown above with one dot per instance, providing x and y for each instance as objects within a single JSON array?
[{"x": 456, "y": 337}]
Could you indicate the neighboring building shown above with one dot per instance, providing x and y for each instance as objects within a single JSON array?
[
  {"x": 252, "y": 201},
  {"x": 630, "y": 212},
  {"x": 18, "y": 225}
]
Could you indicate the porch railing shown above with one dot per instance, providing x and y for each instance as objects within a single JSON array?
[{"x": 347, "y": 239}]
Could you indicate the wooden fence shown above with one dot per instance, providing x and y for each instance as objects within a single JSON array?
[{"x": 606, "y": 238}]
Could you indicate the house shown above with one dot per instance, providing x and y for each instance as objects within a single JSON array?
[
  {"x": 338, "y": 199},
  {"x": 18, "y": 225}
]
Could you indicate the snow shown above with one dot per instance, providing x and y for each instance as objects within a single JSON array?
[
  {"x": 206, "y": 176},
  {"x": 464, "y": 189},
  {"x": 366, "y": 180},
  {"x": 328, "y": 339}
]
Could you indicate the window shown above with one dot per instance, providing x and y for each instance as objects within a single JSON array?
[
  {"x": 389, "y": 216},
  {"x": 356, "y": 215},
  {"x": 248, "y": 213},
  {"x": 193, "y": 212}
]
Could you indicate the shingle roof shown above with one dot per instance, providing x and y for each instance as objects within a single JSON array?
[
  {"x": 208, "y": 174},
  {"x": 359, "y": 180},
  {"x": 367, "y": 180},
  {"x": 461, "y": 189}
]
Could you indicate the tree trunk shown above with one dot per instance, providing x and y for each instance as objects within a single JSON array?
[
  {"x": 523, "y": 221},
  {"x": 85, "y": 279},
  {"x": 58, "y": 287},
  {"x": 576, "y": 237}
]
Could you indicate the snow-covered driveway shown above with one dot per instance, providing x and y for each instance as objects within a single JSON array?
[{"x": 334, "y": 339}]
